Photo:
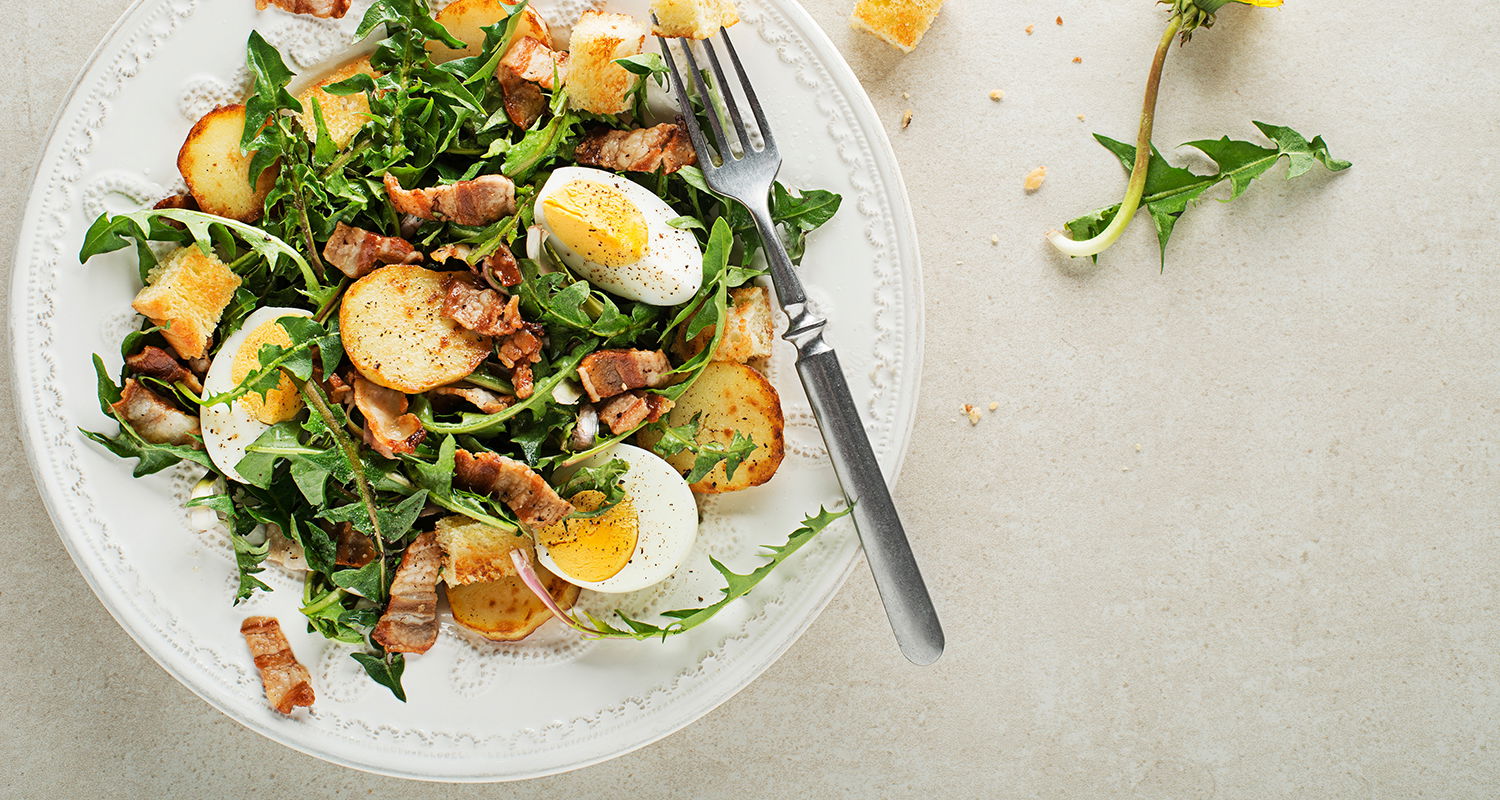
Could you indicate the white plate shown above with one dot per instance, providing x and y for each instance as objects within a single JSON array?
[{"x": 476, "y": 712}]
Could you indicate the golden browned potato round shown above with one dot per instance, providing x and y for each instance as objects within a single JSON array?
[
  {"x": 216, "y": 172},
  {"x": 396, "y": 335},
  {"x": 466, "y": 20},
  {"x": 343, "y": 114},
  {"x": 731, "y": 397},
  {"x": 505, "y": 610}
]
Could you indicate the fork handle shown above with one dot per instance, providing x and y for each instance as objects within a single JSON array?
[{"x": 897, "y": 578}]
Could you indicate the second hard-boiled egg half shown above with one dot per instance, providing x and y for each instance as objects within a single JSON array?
[
  {"x": 617, "y": 234},
  {"x": 229, "y": 428},
  {"x": 638, "y": 542}
]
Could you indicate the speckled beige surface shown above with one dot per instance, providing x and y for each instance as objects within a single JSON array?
[{"x": 1233, "y": 530}]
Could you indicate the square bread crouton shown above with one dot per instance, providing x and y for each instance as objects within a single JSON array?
[
  {"x": 595, "y": 83},
  {"x": 900, "y": 22},
  {"x": 748, "y": 330},
  {"x": 344, "y": 114},
  {"x": 474, "y": 552},
  {"x": 692, "y": 19},
  {"x": 186, "y": 293}
]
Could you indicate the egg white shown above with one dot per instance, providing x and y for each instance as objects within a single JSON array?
[
  {"x": 667, "y": 516},
  {"x": 669, "y": 272},
  {"x": 228, "y": 428}
]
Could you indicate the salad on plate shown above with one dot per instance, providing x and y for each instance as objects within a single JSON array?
[{"x": 457, "y": 317}]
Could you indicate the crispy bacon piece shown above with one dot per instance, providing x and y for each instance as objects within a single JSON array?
[
  {"x": 516, "y": 485},
  {"x": 409, "y": 624},
  {"x": 625, "y": 411},
  {"x": 181, "y": 200},
  {"x": 357, "y": 252},
  {"x": 339, "y": 390},
  {"x": 665, "y": 147},
  {"x": 388, "y": 428},
  {"x": 486, "y": 401},
  {"x": 163, "y": 366},
  {"x": 606, "y": 373},
  {"x": 476, "y": 202},
  {"x": 522, "y": 347},
  {"x": 287, "y": 683},
  {"x": 354, "y": 548},
  {"x": 502, "y": 264},
  {"x": 155, "y": 419},
  {"x": 480, "y": 309},
  {"x": 522, "y": 381},
  {"x": 533, "y": 61},
  {"x": 524, "y": 102},
  {"x": 325, "y": 9}
]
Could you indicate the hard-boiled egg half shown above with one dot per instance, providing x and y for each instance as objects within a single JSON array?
[
  {"x": 638, "y": 542},
  {"x": 229, "y": 428},
  {"x": 614, "y": 233}
]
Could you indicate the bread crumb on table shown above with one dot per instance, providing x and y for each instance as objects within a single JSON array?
[
  {"x": 906, "y": 119},
  {"x": 972, "y": 413},
  {"x": 1030, "y": 29},
  {"x": 1077, "y": 59},
  {"x": 997, "y": 95},
  {"x": 1034, "y": 179},
  {"x": 994, "y": 238},
  {"x": 994, "y": 405},
  {"x": 1059, "y": 20},
  {"x": 1080, "y": 118}
]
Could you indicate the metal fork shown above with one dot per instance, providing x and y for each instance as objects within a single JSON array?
[{"x": 745, "y": 172}]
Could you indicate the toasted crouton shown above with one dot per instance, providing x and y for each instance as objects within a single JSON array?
[
  {"x": 595, "y": 82},
  {"x": 748, "y": 332},
  {"x": 900, "y": 22},
  {"x": 474, "y": 552},
  {"x": 344, "y": 114},
  {"x": 692, "y": 19},
  {"x": 186, "y": 294}
]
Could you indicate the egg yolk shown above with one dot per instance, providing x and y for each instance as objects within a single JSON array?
[
  {"x": 283, "y": 402},
  {"x": 598, "y": 222},
  {"x": 593, "y": 548}
]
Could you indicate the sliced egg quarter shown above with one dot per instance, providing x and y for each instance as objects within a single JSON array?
[
  {"x": 229, "y": 428},
  {"x": 617, "y": 235}
]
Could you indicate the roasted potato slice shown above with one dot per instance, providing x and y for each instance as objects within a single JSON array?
[
  {"x": 466, "y": 20},
  {"x": 343, "y": 114},
  {"x": 396, "y": 334},
  {"x": 748, "y": 329},
  {"x": 731, "y": 397},
  {"x": 217, "y": 172},
  {"x": 505, "y": 610}
]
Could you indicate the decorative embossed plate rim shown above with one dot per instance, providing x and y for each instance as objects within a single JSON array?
[{"x": 134, "y": 555}]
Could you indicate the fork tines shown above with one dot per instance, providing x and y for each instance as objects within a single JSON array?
[{"x": 733, "y": 139}]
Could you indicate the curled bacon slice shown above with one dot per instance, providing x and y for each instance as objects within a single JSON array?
[
  {"x": 356, "y": 252},
  {"x": 480, "y": 309},
  {"x": 607, "y": 373},
  {"x": 477, "y": 202},
  {"x": 409, "y": 624},
  {"x": 163, "y": 366},
  {"x": 388, "y": 428},
  {"x": 287, "y": 683},
  {"x": 324, "y": 9},
  {"x": 625, "y": 411},
  {"x": 155, "y": 419},
  {"x": 665, "y": 147},
  {"x": 533, "y": 61},
  {"x": 516, "y": 485},
  {"x": 486, "y": 401}
]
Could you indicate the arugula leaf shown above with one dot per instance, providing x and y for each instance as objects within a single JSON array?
[
  {"x": 801, "y": 213},
  {"x": 395, "y": 523},
  {"x": 707, "y": 455},
  {"x": 368, "y": 581},
  {"x": 385, "y": 669},
  {"x": 736, "y": 586},
  {"x": 604, "y": 479},
  {"x": 1171, "y": 190},
  {"x": 247, "y": 560}
]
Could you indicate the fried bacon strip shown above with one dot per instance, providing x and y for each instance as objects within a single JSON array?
[
  {"x": 163, "y": 366},
  {"x": 523, "y": 99},
  {"x": 476, "y": 202},
  {"x": 665, "y": 147},
  {"x": 357, "y": 252},
  {"x": 480, "y": 309},
  {"x": 354, "y": 548},
  {"x": 155, "y": 419},
  {"x": 533, "y": 61},
  {"x": 497, "y": 267},
  {"x": 607, "y": 373},
  {"x": 324, "y": 9},
  {"x": 516, "y": 485},
  {"x": 287, "y": 683},
  {"x": 625, "y": 411},
  {"x": 388, "y": 428},
  {"x": 486, "y": 401},
  {"x": 409, "y": 624}
]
